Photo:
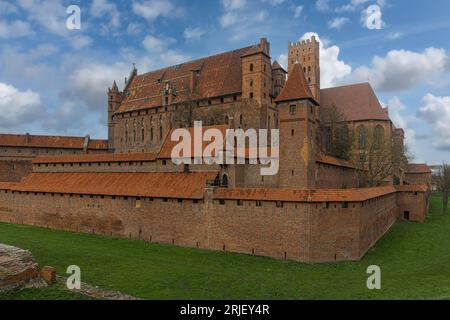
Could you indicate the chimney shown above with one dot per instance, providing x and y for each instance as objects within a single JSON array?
[{"x": 86, "y": 143}]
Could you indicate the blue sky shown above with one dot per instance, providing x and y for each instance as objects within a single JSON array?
[{"x": 54, "y": 80}]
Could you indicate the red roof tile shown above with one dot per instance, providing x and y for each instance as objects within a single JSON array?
[
  {"x": 218, "y": 75},
  {"x": 94, "y": 158},
  {"x": 417, "y": 168},
  {"x": 334, "y": 161},
  {"x": 152, "y": 184},
  {"x": 356, "y": 102},
  {"x": 295, "y": 87},
  {"x": 58, "y": 142},
  {"x": 292, "y": 195}
]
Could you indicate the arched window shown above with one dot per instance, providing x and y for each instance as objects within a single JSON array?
[
  {"x": 224, "y": 181},
  {"x": 378, "y": 137},
  {"x": 362, "y": 138}
]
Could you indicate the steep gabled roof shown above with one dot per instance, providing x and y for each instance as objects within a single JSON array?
[
  {"x": 216, "y": 75},
  {"x": 296, "y": 87},
  {"x": 277, "y": 66},
  {"x": 356, "y": 102}
]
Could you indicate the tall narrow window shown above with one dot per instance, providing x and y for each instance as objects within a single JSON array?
[
  {"x": 378, "y": 137},
  {"x": 362, "y": 138},
  {"x": 251, "y": 67},
  {"x": 160, "y": 133}
]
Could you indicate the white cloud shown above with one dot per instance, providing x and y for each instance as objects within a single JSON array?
[
  {"x": 322, "y": 5},
  {"x": 103, "y": 8},
  {"x": 79, "y": 42},
  {"x": 230, "y": 5},
  {"x": 14, "y": 29},
  {"x": 297, "y": 11},
  {"x": 338, "y": 23},
  {"x": 274, "y": 2},
  {"x": 89, "y": 83},
  {"x": 401, "y": 70},
  {"x": 50, "y": 14},
  {"x": 332, "y": 69},
  {"x": 436, "y": 111},
  {"x": 283, "y": 60},
  {"x": 156, "y": 45},
  {"x": 394, "y": 35},
  {"x": 18, "y": 107},
  {"x": 396, "y": 111},
  {"x": 152, "y": 9},
  {"x": 7, "y": 8},
  {"x": 191, "y": 34}
]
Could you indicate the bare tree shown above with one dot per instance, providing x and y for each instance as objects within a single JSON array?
[
  {"x": 443, "y": 183},
  {"x": 335, "y": 136},
  {"x": 379, "y": 159}
]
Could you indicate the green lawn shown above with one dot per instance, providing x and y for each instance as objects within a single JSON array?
[{"x": 414, "y": 259}]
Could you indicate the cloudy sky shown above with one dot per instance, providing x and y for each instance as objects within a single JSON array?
[{"x": 54, "y": 80}]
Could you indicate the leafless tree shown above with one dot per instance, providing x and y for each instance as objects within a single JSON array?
[
  {"x": 443, "y": 183},
  {"x": 378, "y": 158},
  {"x": 335, "y": 136}
]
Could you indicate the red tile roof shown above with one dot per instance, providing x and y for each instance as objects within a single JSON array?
[
  {"x": 218, "y": 75},
  {"x": 158, "y": 185},
  {"x": 295, "y": 87},
  {"x": 413, "y": 188},
  {"x": 334, "y": 161},
  {"x": 292, "y": 195},
  {"x": 417, "y": 168},
  {"x": 58, "y": 142},
  {"x": 356, "y": 102},
  {"x": 94, "y": 158}
]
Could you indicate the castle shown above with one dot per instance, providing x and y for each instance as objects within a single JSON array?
[{"x": 314, "y": 210}]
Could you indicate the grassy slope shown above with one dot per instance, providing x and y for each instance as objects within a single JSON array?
[{"x": 414, "y": 259}]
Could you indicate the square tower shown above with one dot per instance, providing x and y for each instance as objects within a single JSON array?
[{"x": 307, "y": 52}]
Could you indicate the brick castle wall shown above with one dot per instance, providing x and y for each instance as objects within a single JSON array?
[
  {"x": 14, "y": 170},
  {"x": 308, "y": 232}
]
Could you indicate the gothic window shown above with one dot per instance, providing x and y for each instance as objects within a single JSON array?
[
  {"x": 251, "y": 95},
  {"x": 151, "y": 134},
  {"x": 224, "y": 180},
  {"x": 378, "y": 137},
  {"x": 142, "y": 133},
  {"x": 362, "y": 138},
  {"x": 166, "y": 101}
]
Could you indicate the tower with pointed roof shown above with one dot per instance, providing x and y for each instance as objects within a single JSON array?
[
  {"x": 114, "y": 101},
  {"x": 298, "y": 115}
]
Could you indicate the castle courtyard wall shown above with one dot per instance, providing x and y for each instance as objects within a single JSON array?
[{"x": 300, "y": 231}]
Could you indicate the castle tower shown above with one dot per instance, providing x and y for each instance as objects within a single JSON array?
[
  {"x": 298, "y": 116},
  {"x": 307, "y": 52},
  {"x": 114, "y": 100},
  {"x": 278, "y": 78},
  {"x": 257, "y": 73}
]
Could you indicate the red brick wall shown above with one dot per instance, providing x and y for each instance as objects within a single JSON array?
[
  {"x": 14, "y": 170},
  {"x": 414, "y": 204},
  {"x": 306, "y": 232},
  {"x": 335, "y": 177}
]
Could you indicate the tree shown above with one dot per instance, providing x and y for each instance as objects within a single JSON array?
[
  {"x": 377, "y": 157},
  {"x": 335, "y": 136},
  {"x": 443, "y": 183}
]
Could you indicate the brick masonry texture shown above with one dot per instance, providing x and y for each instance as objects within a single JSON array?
[{"x": 302, "y": 231}]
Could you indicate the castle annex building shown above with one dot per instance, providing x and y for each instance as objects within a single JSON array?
[{"x": 314, "y": 210}]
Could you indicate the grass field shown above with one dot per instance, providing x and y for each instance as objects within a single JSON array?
[{"x": 414, "y": 260}]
